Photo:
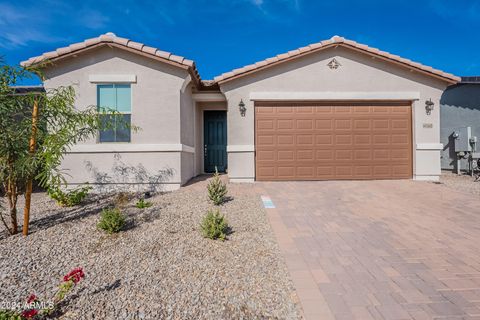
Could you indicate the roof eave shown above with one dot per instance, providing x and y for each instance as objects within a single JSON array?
[
  {"x": 451, "y": 79},
  {"x": 43, "y": 62}
]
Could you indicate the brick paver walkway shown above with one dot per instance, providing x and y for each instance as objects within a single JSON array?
[{"x": 379, "y": 249}]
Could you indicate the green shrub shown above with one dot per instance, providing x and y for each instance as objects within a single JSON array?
[
  {"x": 9, "y": 315},
  {"x": 142, "y": 204},
  {"x": 214, "y": 225},
  {"x": 217, "y": 189},
  {"x": 68, "y": 198},
  {"x": 111, "y": 220}
]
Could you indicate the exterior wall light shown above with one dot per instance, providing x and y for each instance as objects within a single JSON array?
[
  {"x": 429, "y": 105},
  {"x": 242, "y": 108}
]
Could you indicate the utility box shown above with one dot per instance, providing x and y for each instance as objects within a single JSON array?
[{"x": 462, "y": 137}]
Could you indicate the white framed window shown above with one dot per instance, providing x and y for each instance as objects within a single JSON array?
[{"x": 116, "y": 97}]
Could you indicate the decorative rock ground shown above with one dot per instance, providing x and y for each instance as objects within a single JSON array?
[{"x": 160, "y": 268}]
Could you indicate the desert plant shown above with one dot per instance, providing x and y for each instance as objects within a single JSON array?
[
  {"x": 111, "y": 220},
  {"x": 122, "y": 199},
  {"x": 68, "y": 198},
  {"x": 9, "y": 315},
  {"x": 37, "y": 130},
  {"x": 214, "y": 225},
  {"x": 142, "y": 204},
  {"x": 35, "y": 309},
  {"x": 217, "y": 189}
]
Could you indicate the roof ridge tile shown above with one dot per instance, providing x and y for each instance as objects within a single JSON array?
[{"x": 341, "y": 41}]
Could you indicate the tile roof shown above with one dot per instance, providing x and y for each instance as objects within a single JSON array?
[
  {"x": 334, "y": 41},
  {"x": 111, "y": 38}
]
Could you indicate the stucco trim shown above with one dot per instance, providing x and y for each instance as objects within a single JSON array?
[
  {"x": 429, "y": 146},
  {"x": 313, "y": 96},
  {"x": 241, "y": 148},
  {"x": 209, "y": 97},
  {"x": 124, "y": 147},
  {"x": 112, "y": 78}
]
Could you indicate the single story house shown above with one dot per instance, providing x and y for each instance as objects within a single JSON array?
[
  {"x": 459, "y": 107},
  {"x": 336, "y": 109}
]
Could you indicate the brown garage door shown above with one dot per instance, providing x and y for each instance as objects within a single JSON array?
[{"x": 314, "y": 141}]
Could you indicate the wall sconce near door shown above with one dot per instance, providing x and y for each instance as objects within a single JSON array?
[
  {"x": 242, "y": 108},
  {"x": 429, "y": 105}
]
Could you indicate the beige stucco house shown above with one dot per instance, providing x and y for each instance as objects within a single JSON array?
[{"x": 335, "y": 109}]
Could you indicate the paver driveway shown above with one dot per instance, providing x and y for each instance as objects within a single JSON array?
[{"x": 379, "y": 249}]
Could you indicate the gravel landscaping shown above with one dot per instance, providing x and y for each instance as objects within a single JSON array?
[
  {"x": 462, "y": 182},
  {"x": 160, "y": 267}
]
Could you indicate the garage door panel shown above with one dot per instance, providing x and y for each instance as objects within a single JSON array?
[
  {"x": 305, "y": 110},
  {"x": 360, "y": 155},
  {"x": 362, "y": 124},
  {"x": 324, "y": 110},
  {"x": 343, "y": 124},
  {"x": 343, "y": 109},
  {"x": 266, "y": 140},
  {"x": 317, "y": 142},
  {"x": 363, "y": 171},
  {"x": 285, "y": 110},
  {"x": 305, "y": 155},
  {"x": 285, "y": 155},
  {"x": 304, "y": 124},
  {"x": 265, "y": 124},
  {"x": 362, "y": 140},
  {"x": 266, "y": 155},
  {"x": 399, "y": 124},
  {"x": 343, "y": 139},
  {"x": 323, "y": 139},
  {"x": 324, "y": 124},
  {"x": 305, "y": 140},
  {"x": 285, "y": 140},
  {"x": 324, "y": 155},
  {"x": 286, "y": 172},
  {"x": 285, "y": 124}
]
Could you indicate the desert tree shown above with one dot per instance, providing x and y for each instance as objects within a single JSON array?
[{"x": 37, "y": 129}]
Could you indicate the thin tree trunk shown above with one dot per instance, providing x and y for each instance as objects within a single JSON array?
[
  {"x": 12, "y": 204},
  {"x": 28, "y": 190},
  {"x": 5, "y": 223}
]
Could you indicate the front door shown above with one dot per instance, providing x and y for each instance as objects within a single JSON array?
[{"x": 215, "y": 141}]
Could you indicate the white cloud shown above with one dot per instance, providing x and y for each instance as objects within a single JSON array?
[{"x": 50, "y": 23}]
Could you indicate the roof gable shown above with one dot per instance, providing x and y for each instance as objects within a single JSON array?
[
  {"x": 333, "y": 42},
  {"x": 112, "y": 40}
]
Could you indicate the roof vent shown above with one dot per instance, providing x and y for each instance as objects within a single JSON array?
[{"x": 110, "y": 34}]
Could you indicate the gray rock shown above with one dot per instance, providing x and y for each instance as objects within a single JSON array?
[{"x": 160, "y": 268}]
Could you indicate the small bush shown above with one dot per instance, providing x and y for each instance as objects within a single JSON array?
[
  {"x": 217, "y": 189},
  {"x": 9, "y": 315},
  {"x": 142, "y": 204},
  {"x": 68, "y": 198},
  {"x": 214, "y": 225},
  {"x": 122, "y": 199},
  {"x": 111, "y": 220}
]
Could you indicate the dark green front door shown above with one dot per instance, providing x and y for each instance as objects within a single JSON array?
[{"x": 215, "y": 140}]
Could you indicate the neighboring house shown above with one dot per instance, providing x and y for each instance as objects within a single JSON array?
[
  {"x": 335, "y": 109},
  {"x": 460, "y": 107}
]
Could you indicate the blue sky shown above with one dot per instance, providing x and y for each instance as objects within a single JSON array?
[{"x": 220, "y": 35}]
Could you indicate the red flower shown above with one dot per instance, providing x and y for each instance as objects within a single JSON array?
[
  {"x": 29, "y": 313},
  {"x": 32, "y": 298},
  {"x": 75, "y": 275}
]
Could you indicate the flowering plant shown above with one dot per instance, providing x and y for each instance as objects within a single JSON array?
[{"x": 35, "y": 309}]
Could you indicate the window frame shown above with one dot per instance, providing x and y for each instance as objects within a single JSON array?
[{"x": 114, "y": 84}]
